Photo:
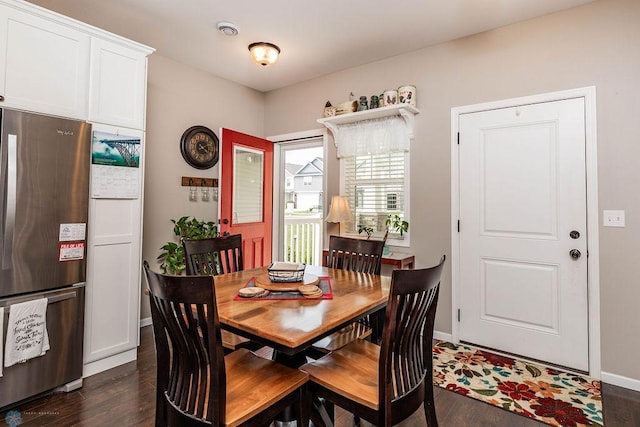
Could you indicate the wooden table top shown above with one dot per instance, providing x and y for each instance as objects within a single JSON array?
[{"x": 291, "y": 326}]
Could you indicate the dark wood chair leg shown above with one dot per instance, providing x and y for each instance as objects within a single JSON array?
[{"x": 429, "y": 405}]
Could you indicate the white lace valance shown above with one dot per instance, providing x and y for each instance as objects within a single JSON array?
[
  {"x": 375, "y": 136},
  {"x": 377, "y": 131}
]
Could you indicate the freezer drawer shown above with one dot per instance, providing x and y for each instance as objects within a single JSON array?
[{"x": 63, "y": 362}]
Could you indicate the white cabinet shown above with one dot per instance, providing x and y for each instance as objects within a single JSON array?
[
  {"x": 118, "y": 84},
  {"x": 114, "y": 267},
  {"x": 44, "y": 66}
]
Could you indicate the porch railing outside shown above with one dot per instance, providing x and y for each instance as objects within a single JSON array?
[{"x": 302, "y": 236}]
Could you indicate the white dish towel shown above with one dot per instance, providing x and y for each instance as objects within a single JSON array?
[{"x": 26, "y": 332}]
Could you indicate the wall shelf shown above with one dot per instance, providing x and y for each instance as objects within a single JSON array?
[{"x": 407, "y": 111}]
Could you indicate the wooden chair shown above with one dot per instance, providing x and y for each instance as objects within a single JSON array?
[
  {"x": 364, "y": 256},
  {"x": 196, "y": 384},
  {"x": 386, "y": 384},
  {"x": 215, "y": 256}
]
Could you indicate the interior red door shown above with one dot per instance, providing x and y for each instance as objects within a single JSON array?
[{"x": 246, "y": 193}]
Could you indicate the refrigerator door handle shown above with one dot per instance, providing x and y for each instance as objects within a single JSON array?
[
  {"x": 51, "y": 300},
  {"x": 10, "y": 212}
]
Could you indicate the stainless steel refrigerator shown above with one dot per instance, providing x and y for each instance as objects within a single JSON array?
[{"x": 44, "y": 191}]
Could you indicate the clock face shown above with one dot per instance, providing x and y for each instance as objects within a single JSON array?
[{"x": 199, "y": 147}]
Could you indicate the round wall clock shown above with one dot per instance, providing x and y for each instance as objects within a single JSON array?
[{"x": 199, "y": 147}]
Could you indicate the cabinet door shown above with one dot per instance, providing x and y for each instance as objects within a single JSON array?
[
  {"x": 118, "y": 85},
  {"x": 45, "y": 65},
  {"x": 113, "y": 265}
]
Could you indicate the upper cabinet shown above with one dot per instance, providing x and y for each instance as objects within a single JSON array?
[
  {"x": 44, "y": 66},
  {"x": 56, "y": 65},
  {"x": 118, "y": 84}
]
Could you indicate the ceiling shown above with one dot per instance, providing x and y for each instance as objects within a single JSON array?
[{"x": 316, "y": 38}]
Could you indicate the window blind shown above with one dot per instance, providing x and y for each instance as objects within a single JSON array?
[{"x": 375, "y": 187}]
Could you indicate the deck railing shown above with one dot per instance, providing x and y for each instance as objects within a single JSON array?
[{"x": 302, "y": 237}]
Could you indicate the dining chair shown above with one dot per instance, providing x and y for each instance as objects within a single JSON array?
[
  {"x": 386, "y": 384},
  {"x": 213, "y": 256},
  {"x": 363, "y": 256},
  {"x": 196, "y": 383}
]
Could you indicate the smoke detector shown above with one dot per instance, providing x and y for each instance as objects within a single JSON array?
[{"x": 227, "y": 28}]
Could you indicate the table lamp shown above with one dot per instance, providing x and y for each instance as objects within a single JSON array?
[{"x": 339, "y": 211}]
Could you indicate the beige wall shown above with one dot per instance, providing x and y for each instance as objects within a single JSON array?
[
  {"x": 594, "y": 45},
  {"x": 179, "y": 97}
]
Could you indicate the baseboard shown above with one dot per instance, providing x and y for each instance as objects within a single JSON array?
[
  {"x": 441, "y": 336},
  {"x": 101, "y": 365},
  {"x": 145, "y": 322},
  {"x": 620, "y": 381}
]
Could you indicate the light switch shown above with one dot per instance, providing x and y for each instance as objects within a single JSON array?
[{"x": 613, "y": 218}]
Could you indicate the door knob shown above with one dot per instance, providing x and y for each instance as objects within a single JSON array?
[
  {"x": 575, "y": 253},
  {"x": 225, "y": 221}
]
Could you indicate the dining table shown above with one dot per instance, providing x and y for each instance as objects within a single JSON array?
[{"x": 291, "y": 326}]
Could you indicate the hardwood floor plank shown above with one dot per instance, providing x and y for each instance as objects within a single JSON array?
[{"x": 125, "y": 396}]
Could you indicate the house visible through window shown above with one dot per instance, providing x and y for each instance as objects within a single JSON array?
[{"x": 376, "y": 187}]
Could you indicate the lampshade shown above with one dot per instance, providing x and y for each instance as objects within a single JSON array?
[
  {"x": 263, "y": 53},
  {"x": 339, "y": 210}
]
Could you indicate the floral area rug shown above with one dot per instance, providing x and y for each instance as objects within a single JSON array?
[{"x": 544, "y": 394}]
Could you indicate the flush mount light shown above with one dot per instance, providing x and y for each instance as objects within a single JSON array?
[
  {"x": 227, "y": 28},
  {"x": 263, "y": 53}
]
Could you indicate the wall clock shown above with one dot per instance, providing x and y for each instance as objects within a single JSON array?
[{"x": 199, "y": 147}]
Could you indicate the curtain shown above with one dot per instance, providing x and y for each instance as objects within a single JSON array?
[{"x": 375, "y": 136}]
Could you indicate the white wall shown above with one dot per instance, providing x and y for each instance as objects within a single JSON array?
[{"x": 597, "y": 44}]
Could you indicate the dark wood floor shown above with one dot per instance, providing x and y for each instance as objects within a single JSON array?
[{"x": 125, "y": 396}]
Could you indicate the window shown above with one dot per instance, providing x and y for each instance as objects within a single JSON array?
[
  {"x": 307, "y": 180},
  {"x": 376, "y": 186},
  {"x": 392, "y": 201}
]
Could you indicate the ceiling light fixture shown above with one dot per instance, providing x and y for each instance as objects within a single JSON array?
[
  {"x": 227, "y": 28},
  {"x": 263, "y": 53}
]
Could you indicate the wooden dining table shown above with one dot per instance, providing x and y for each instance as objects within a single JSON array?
[{"x": 291, "y": 326}]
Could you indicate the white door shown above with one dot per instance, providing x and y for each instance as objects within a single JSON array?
[{"x": 523, "y": 243}]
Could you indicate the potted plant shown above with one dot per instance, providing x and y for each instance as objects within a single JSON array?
[
  {"x": 172, "y": 255},
  {"x": 363, "y": 228},
  {"x": 396, "y": 224}
]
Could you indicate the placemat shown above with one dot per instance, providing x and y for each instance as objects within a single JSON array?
[{"x": 325, "y": 285}]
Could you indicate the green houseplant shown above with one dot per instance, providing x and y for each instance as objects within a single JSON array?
[
  {"x": 363, "y": 228},
  {"x": 172, "y": 253},
  {"x": 396, "y": 224}
]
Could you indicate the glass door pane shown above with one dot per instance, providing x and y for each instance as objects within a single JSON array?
[
  {"x": 302, "y": 184},
  {"x": 247, "y": 191}
]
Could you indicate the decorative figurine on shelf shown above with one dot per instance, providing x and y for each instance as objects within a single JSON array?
[
  {"x": 375, "y": 102},
  {"x": 329, "y": 110},
  {"x": 363, "y": 104}
]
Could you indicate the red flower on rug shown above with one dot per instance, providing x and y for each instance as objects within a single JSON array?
[
  {"x": 459, "y": 390},
  {"x": 564, "y": 413},
  {"x": 496, "y": 359},
  {"x": 516, "y": 391}
]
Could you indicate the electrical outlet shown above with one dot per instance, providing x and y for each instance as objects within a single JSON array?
[{"x": 613, "y": 218}]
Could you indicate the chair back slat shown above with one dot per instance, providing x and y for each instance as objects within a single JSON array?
[
  {"x": 405, "y": 356},
  {"x": 213, "y": 256},
  {"x": 363, "y": 256},
  {"x": 191, "y": 371}
]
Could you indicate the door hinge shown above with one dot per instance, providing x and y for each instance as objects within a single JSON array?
[
  {"x": 458, "y": 138},
  {"x": 458, "y": 315},
  {"x": 458, "y": 226}
]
